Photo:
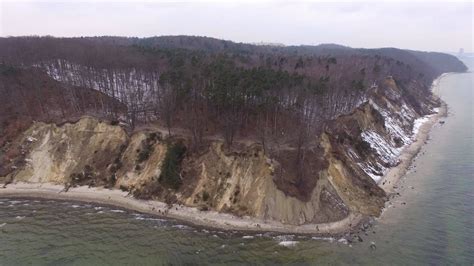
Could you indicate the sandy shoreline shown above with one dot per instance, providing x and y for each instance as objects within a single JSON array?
[
  {"x": 222, "y": 221},
  {"x": 191, "y": 215}
]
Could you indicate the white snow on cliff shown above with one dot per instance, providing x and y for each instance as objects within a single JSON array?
[
  {"x": 384, "y": 149},
  {"x": 385, "y": 146},
  {"x": 420, "y": 121}
]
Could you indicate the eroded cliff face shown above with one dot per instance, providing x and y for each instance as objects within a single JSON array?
[
  {"x": 242, "y": 183},
  {"x": 141, "y": 160},
  {"x": 357, "y": 150},
  {"x": 80, "y": 153},
  {"x": 96, "y": 153}
]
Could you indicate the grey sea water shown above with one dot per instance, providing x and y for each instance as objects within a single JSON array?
[{"x": 432, "y": 222}]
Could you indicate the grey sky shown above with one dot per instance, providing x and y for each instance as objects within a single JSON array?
[{"x": 433, "y": 26}]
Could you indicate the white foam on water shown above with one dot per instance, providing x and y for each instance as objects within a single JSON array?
[
  {"x": 329, "y": 239},
  {"x": 343, "y": 241},
  {"x": 181, "y": 226},
  {"x": 284, "y": 237},
  {"x": 16, "y": 201},
  {"x": 288, "y": 243}
]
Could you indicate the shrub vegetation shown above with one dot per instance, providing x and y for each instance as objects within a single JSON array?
[{"x": 171, "y": 167}]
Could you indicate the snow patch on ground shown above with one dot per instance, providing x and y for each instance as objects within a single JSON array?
[
  {"x": 420, "y": 121},
  {"x": 31, "y": 139},
  {"x": 370, "y": 170},
  {"x": 126, "y": 85}
]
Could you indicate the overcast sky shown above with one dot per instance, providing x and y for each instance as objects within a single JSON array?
[{"x": 432, "y": 26}]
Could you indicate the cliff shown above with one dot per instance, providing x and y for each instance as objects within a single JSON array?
[
  {"x": 256, "y": 131},
  {"x": 357, "y": 149}
]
